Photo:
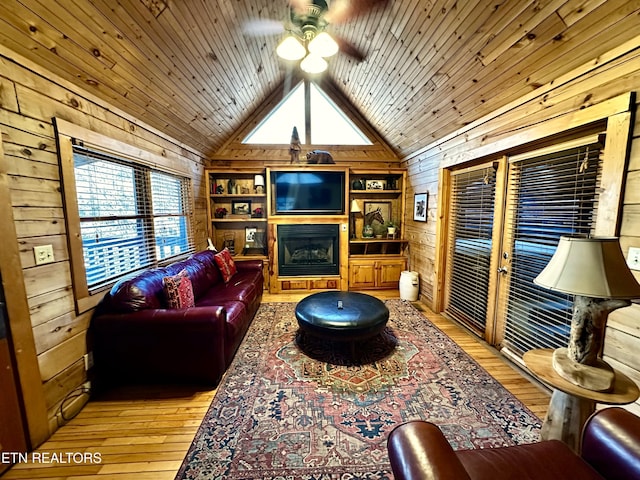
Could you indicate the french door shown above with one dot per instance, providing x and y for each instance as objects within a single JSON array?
[{"x": 506, "y": 220}]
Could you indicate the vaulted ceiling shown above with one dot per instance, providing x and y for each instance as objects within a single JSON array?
[{"x": 190, "y": 69}]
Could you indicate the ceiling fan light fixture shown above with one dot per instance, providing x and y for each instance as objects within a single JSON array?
[
  {"x": 323, "y": 45},
  {"x": 313, "y": 63},
  {"x": 291, "y": 49}
]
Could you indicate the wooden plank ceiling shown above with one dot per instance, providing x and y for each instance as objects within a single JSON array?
[{"x": 186, "y": 68}]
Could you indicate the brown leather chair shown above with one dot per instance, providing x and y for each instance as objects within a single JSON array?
[{"x": 610, "y": 450}]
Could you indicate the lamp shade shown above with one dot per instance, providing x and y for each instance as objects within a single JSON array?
[
  {"x": 313, "y": 63},
  {"x": 354, "y": 207},
  {"x": 323, "y": 45},
  {"x": 591, "y": 267},
  {"x": 258, "y": 181},
  {"x": 291, "y": 49}
]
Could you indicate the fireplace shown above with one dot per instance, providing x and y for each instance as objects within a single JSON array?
[{"x": 305, "y": 250}]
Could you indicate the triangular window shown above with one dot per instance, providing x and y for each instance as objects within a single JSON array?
[{"x": 328, "y": 123}]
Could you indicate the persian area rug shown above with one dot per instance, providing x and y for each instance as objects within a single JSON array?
[{"x": 307, "y": 410}]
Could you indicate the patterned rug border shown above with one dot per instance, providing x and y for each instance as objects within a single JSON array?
[{"x": 213, "y": 450}]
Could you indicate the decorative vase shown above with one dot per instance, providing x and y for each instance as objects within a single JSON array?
[{"x": 367, "y": 232}]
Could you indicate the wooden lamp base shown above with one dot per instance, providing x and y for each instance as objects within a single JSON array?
[{"x": 599, "y": 377}]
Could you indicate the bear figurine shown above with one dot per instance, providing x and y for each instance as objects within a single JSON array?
[{"x": 319, "y": 156}]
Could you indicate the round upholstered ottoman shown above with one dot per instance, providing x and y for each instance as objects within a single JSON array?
[{"x": 343, "y": 316}]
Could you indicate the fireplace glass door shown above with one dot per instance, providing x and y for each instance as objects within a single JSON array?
[{"x": 305, "y": 250}]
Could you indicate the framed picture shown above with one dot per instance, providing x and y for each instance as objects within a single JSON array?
[
  {"x": 420, "y": 206},
  {"x": 374, "y": 184},
  {"x": 250, "y": 234},
  {"x": 378, "y": 211},
  {"x": 241, "y": 207}
]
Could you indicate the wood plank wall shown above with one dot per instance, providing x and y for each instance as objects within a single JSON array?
[
  {"x": 582, "y": 95},
  {"x": 29, "y": 98}
]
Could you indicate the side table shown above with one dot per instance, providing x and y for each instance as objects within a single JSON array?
[{"x": 571, "y": 405}]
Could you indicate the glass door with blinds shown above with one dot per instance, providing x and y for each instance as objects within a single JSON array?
[
  {"x": 505, "y": 224},
  {"x": 548, "y": 195},
  {"x": 470, "y": 245}
]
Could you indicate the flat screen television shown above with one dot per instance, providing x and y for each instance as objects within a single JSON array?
[{"x": 301, "y": 193}]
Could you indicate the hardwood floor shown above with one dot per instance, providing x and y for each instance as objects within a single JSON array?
[{"x": 144, "y": 433}]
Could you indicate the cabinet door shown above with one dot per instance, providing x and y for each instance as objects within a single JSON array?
[
  {"x": 389, "y": 272},
  {"x": 362, "y": 274}
]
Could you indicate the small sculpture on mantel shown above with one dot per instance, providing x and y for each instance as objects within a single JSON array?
[
  {"x": 319, "y": 157},
  {"x": 295, "y": 147}
]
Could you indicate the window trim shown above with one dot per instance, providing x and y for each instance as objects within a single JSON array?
[{"x": 66, "y": 134}]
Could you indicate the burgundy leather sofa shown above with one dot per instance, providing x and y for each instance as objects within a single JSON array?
[
  {"x": 136, "y": 338},
  {"x": 610, "y": 450}
]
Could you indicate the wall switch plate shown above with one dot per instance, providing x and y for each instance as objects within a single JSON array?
[
  {"x": 43, "y": 254},
  {"x": 633, "y": 258},
  {"x": 88, "y": 361}
]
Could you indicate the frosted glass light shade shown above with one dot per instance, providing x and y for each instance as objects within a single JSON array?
[
  {"x": 323, "y": 45},
  {"x": 313, "y": 63},
  {"x": 591, "y": 267},
  {"x": 291, "y": 49}
]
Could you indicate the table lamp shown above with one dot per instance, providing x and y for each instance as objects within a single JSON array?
[
  {"x": 595, "y": 272},
  {"x": 354, "y": 210},
  {"x": 258, "y": 183}
]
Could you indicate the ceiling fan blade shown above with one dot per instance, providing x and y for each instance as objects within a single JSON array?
[
  {"x": 342, "y": 11},
  {"x": 349, "y": 48},
  {"x": 261, "y": 26}
]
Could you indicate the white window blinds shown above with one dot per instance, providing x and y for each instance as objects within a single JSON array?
[{"x": 130, "y": 215}]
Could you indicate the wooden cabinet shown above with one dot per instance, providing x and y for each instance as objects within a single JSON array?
[
  {"x": 376, "y": 273},
  {"x": 376, "y": 257}
]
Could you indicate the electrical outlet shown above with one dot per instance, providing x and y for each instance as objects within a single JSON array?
[
  {"x": 43, "y": 254},
  {"x": 633, "y": 258}
]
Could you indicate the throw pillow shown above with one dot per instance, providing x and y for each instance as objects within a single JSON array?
[
  {"x": 179, "y": 290},
  {"x": 225, "y": 263}
]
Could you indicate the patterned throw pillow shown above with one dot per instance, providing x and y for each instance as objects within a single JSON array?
[
  {"x": 179, "y": 290},
  {"x": 225, "y": 263}
]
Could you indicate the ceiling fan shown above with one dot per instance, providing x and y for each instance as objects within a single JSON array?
[{"x": 307, "y": 38}]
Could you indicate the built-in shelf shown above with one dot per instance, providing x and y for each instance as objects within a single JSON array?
[
  {"x": 376, "y": 246},
  {"x": 375, "y": 192},
  {"x": 238, "y": 195},
  {"x": 239, "y": 219}
]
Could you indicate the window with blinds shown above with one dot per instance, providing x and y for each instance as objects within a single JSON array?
[
  {"x": 131, "y": 216},
  {"x": 472, "y": 208},
  {"x": 548, "y": 196}
]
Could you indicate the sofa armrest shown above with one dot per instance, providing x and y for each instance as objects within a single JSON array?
[
  {"x": 611, "y": 443},
  {"x": 248, "y": 264},
  {"x": 419, "y": 450},
  {"x": 160, "y": 344}
]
